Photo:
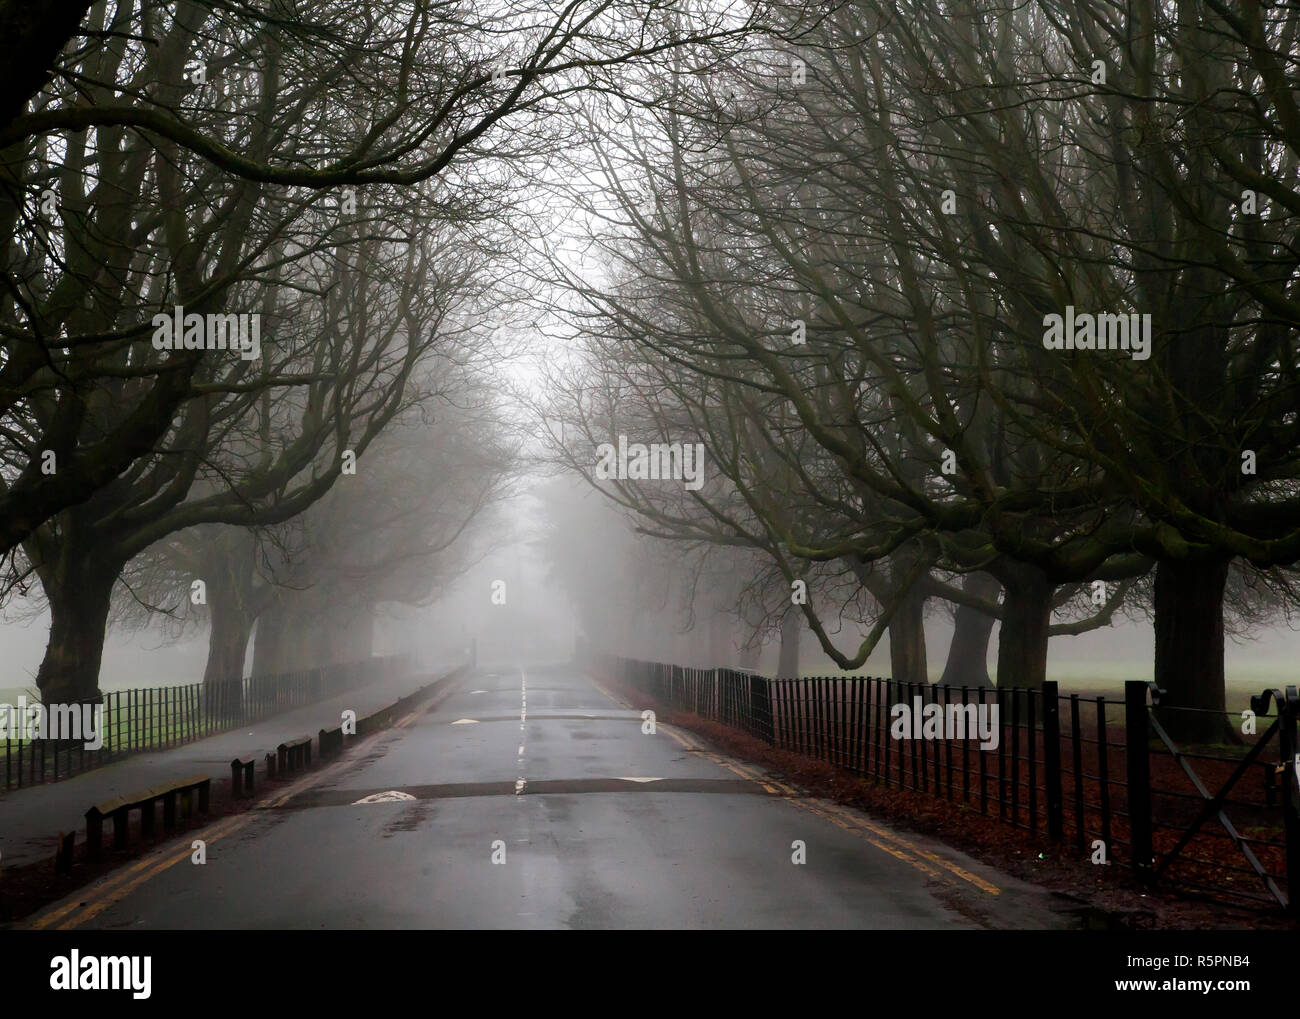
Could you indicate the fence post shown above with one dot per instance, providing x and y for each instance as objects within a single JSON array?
[
  {"x": 756, "y": 727},
  {"x": 1137, "y": 757},
  {"x": 1287, "y": 710},
  {"x": 1052, "y": 759}
]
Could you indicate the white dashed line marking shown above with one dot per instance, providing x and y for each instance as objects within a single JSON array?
[{"x": 522, "y": 780}]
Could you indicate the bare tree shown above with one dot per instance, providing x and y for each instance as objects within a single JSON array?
[{"x": 111, "y": 113}]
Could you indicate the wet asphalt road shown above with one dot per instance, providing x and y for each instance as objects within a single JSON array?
[{"x": 534, "y": 800}]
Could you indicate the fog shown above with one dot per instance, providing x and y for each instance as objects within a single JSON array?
[
  {"x": 863, "y": 454},
  {"x": 534, "y": 618}
]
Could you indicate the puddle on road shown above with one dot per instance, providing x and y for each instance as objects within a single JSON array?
[{"x": 409, "y": 819}]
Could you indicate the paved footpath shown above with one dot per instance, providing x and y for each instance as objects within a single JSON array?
[{"x": 32, "y": 817}]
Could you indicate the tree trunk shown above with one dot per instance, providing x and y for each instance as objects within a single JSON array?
[
  {"x": 1189, "y": 650},
  {"x": 362, "y": 645},
  {"x": 720, "y": 649},
  {"x": 907, "y": 660},
  {"x": 351, "y": 633},
  {"x": 787, "y": 666},
  {"x": 269, "y": 648},
  {"x": 227, "y": 563},
  {"x": 1026, "y": 616},
  {"x": 968, "y": 653},
  {"x": 308, "y": 635},
  {"x": 227, "y": 642},
  {"x": 34, "y": 34},
  {"x": 79, "y": 603}
]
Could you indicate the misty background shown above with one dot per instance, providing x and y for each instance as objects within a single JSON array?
[
  {"x": 772, "y": 229},
  {"x": 538, "y": 624}
]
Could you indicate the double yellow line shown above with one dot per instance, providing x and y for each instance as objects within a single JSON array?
[
  {"x": 896, "y": 845},
  {"x": 929, "y": 863},
  {"x": 122, "y": 883},
  {"x": 882, "y": 838}
]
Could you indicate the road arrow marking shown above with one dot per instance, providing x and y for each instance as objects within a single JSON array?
[{"x": 465, "y": 721}]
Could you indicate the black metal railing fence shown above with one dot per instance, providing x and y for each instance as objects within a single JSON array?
[
  {"x": 155, "y": 718},
  {"x": 1100, "y": 775}
]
